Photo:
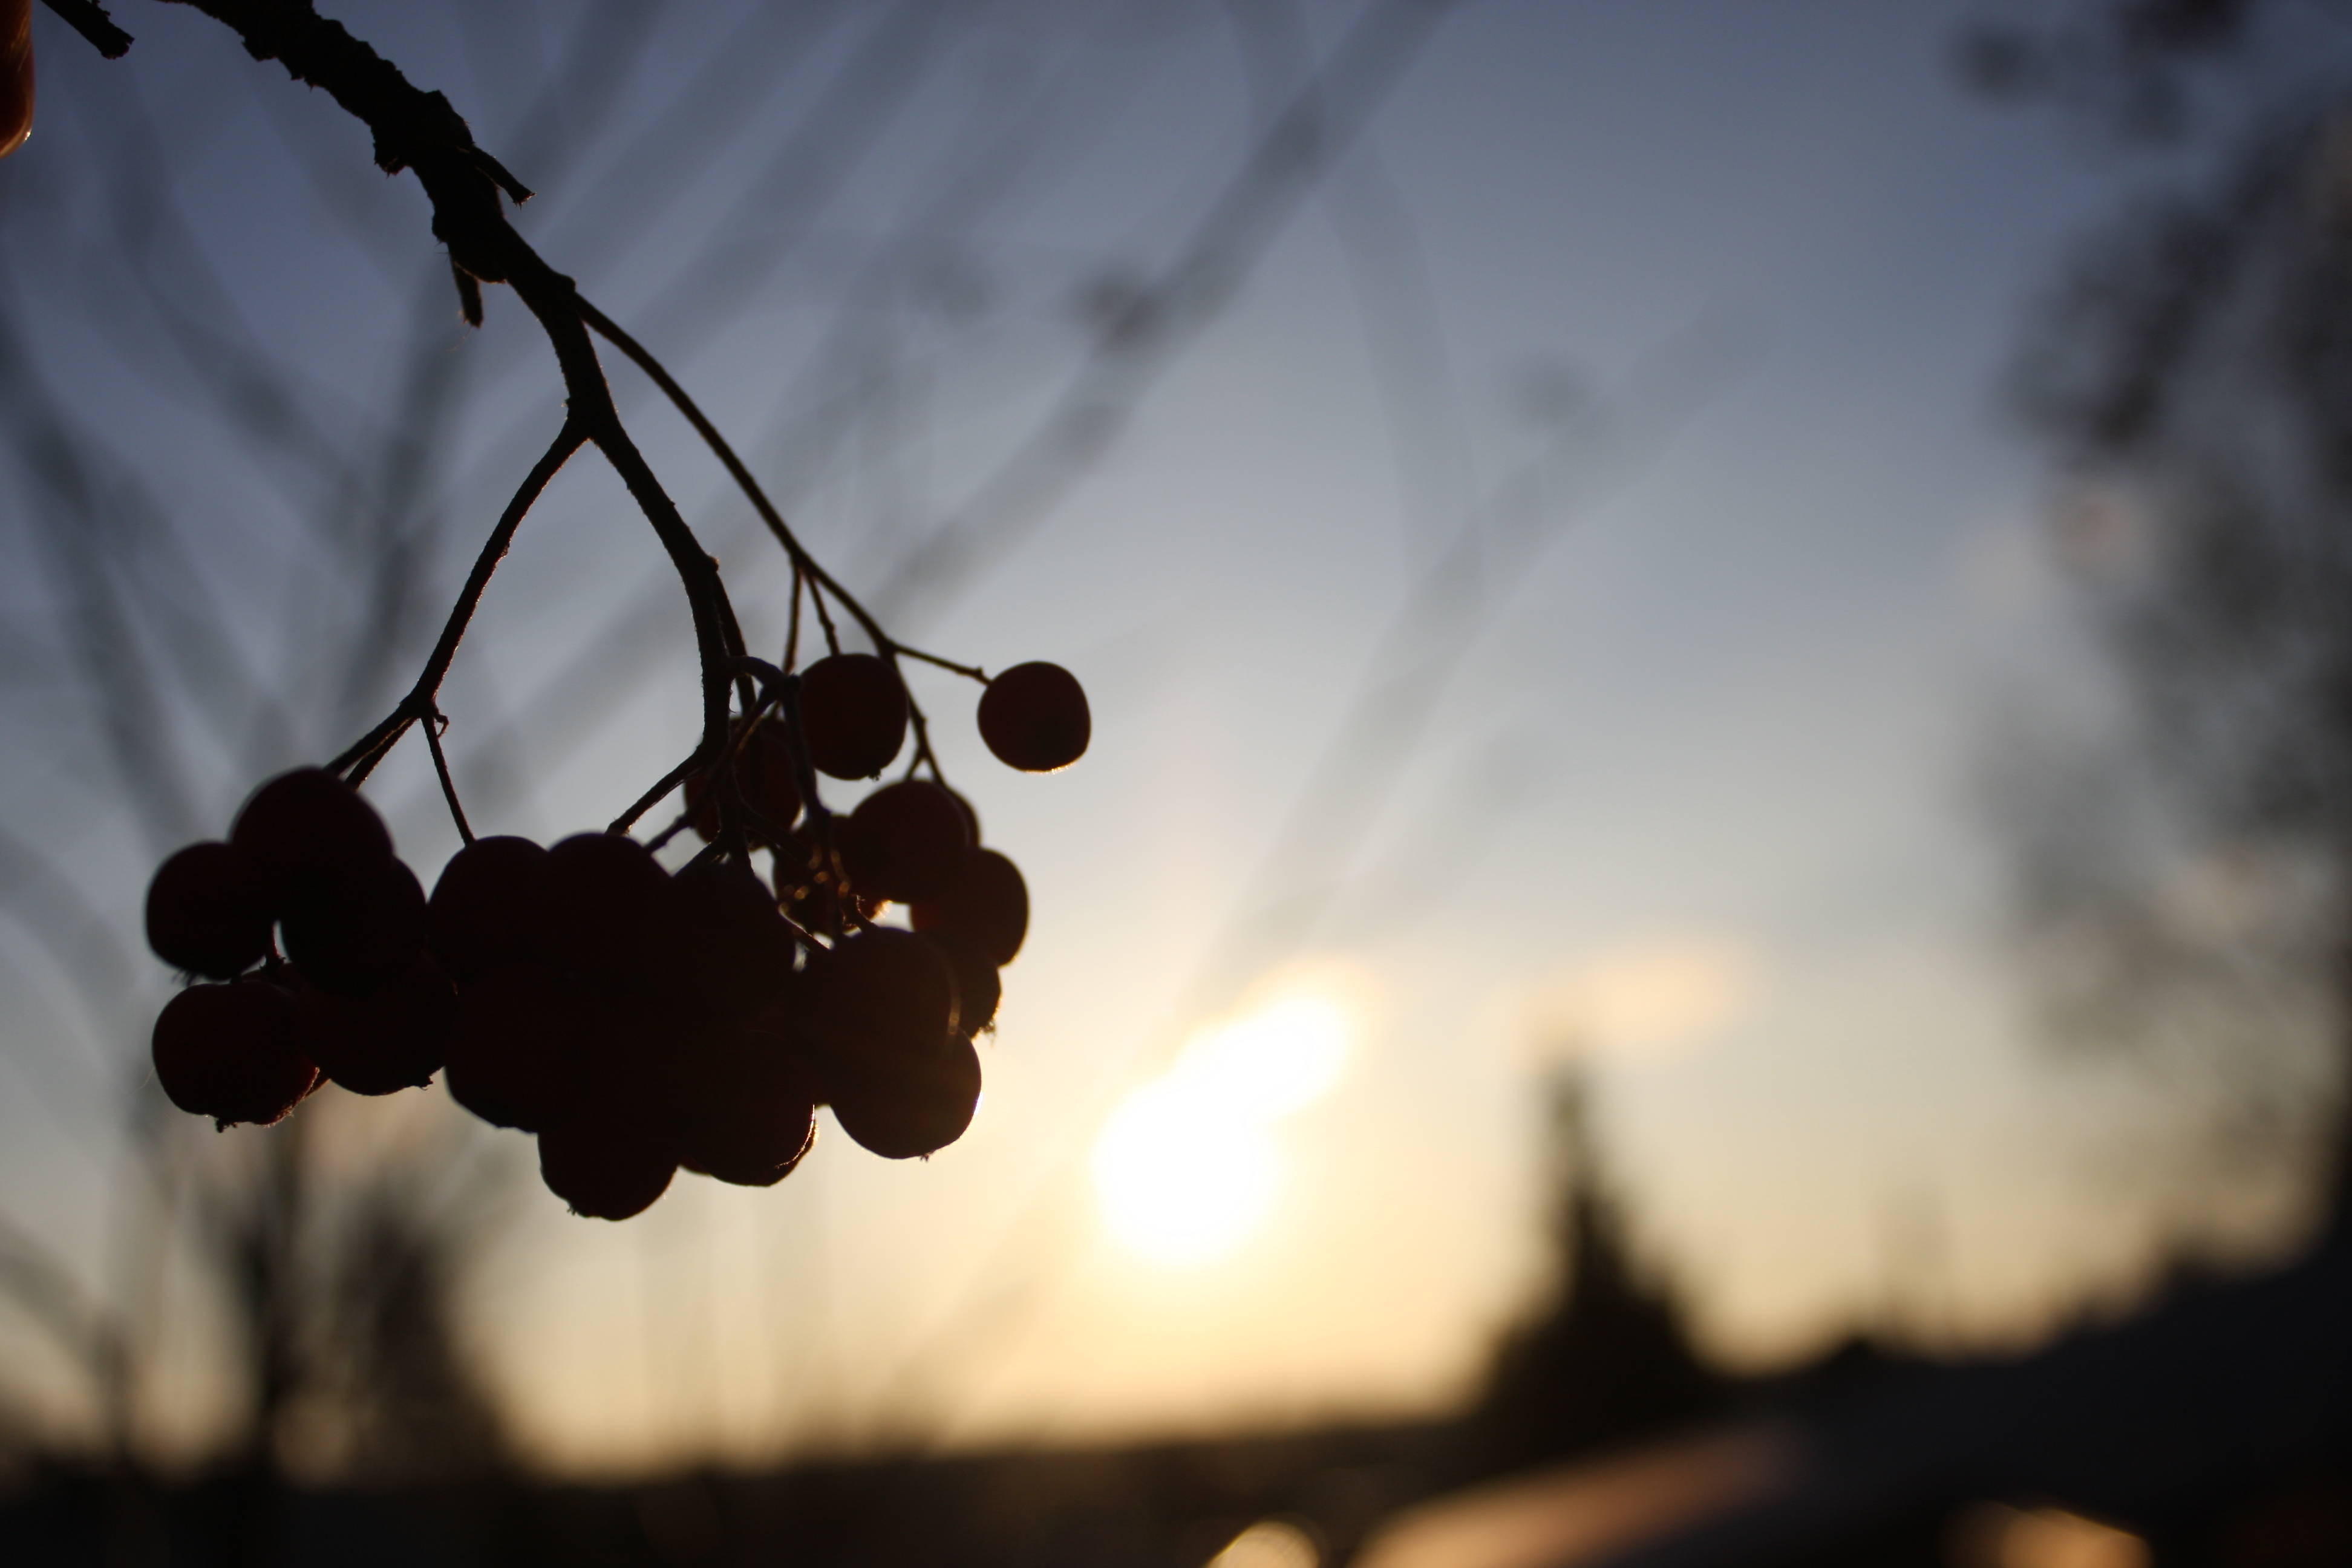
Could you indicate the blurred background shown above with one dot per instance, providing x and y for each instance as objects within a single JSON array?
[{"x": 1719, "y": 693}]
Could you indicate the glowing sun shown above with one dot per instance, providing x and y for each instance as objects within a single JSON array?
[{"x": 1186, "y": 1167}]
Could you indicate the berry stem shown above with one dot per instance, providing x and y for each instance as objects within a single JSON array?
[
  {"x": 969, "y": 671},
  {"x": 803, "y": 562},
  {"x": 646, "y": 802},
  {"x": 369, "y": 748},
  {"x": 432, "y": 724},
  {"x": 793, "y": 629},
  {"x": 824, "y": 619},
  {"x": 420, "y": 132}
]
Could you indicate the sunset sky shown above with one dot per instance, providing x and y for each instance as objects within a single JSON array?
[{"x": 1694, "y": 315}]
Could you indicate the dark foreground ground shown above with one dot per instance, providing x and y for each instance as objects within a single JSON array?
[
  {"x": 2215, "y": 1425},
  {"x": 1170, "y": 1505}
]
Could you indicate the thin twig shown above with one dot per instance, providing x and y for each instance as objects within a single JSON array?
[
  {"x": 568, "y": 440},
  {"x": 652, "y": 797},
  {"x": 449, "y": 786},
  {"x": 686, "y": 405},
  {"x": 793, "y": 631},
  {"x": 969, "y": 671},
  {"x": 832, "y": 637},
  {"x": 420, "y": 132}
]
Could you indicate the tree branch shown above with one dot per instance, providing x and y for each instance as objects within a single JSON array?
[{"x": 89, "y": 19}]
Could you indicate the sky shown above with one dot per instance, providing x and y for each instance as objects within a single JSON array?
[{"x": 1574, "y": 566}]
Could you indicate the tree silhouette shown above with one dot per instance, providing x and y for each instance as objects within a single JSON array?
[
  {"x": 1607, "y": 1358},
  {"x": 2184, "y": 881}
]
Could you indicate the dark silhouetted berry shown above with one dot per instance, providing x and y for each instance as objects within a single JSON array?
[
  {"x": 604, "y": 1165},
  {"x": 355, "y": 936},
  {"x": 902, "y": 1107},
  {"x": 752, "y": 1114},
  {"x": 763, "y": 774},
  {"x": 308, "y": 833},
  {"x": 393, "y": 1037},
  {"x": 879, "y": 991},
  {"x": 854, "y": 714},
  {"x": 987, "y": 904},
  {"x": 1035, "y": 718},
  {"x": 232, "y": 1052},
  {"x": 591, "y": 902},
  {"x": 480, "y": 914},
  {"x": 644, "y": 1050},
  {"x": 977, "y": 986},
  {"x": 971, "y": 817},
  {"x": 905, "y": 841},
  {"x": 515, "y": 1048},
  {"x": 205, "y": 913},
  {"x": 717, "y": 940}
]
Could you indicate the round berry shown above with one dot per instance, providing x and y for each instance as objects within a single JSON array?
[
  {"x": 978, "y": 987},
  {"x": 478, "y": 916},
  {"x": 355, "y": 936},
  {"x": 763, "y": 774},
  {"x": 232, "y": 1052},
  {"x": 905, "y": 841},
  {"x": 206, "y": 914},
  {"x": 987, "y": 904},
  {"x": 590, "y": 902},
  {"x": 905, "y": 1108},
  {"x": 753, "y": 1114},
  {"x": 880, "y": 993},
  {"x": 306, "y": 832},
  {"x": 1035, "y": 718},
  {"x": 854, "y": 714},
  {"x": 393, "y": 1038},
  {"x": 604, "y": 1166},
  {"x": 718, "y": 940},
  {"x": 515, "y": 1045}
]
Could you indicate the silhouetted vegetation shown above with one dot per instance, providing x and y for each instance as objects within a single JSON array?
[
  {"x": 1607, "y": 1358},
  {"x": 2184, "y": 874}
]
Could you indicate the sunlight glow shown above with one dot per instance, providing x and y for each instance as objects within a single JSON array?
[{"x": 1186, "y": 1167}]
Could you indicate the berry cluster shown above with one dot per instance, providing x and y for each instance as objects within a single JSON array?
[{"x": 635, "y": 1020}]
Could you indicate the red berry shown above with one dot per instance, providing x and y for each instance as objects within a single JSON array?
[
  {"x": 881, "y": 992},
  {"x": 232, "y": 1052},
  {"x": 643, "y": 1050},
  {"x": 206, "y": 914},
  {"x": 305, "y": 831},
  {"x": 393, "y": 1038},
  {"x": 590, "y": 902},
  {"x": 754, "y": 1111},
  {"x": 479, "y": 913},
  {"x": 971, "y": 817},
  {"x": 515, "y": 1047},
  {"x": 902, "y": 1107},
  {"x": 905, "y": 841},
  {"x": 987, "y": 904},
  {"x": 16, "y": 76},
  {"x": 977, "y": 988},
  {"x": 1035, "y": 718},
  {"x": 603, "y": 1165},
  {"x": 716, "y": 940},
  {"x": 354, "y": 936},
  {"x": 763, "y": 774},
  {"x": 854, "y": 714}
]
